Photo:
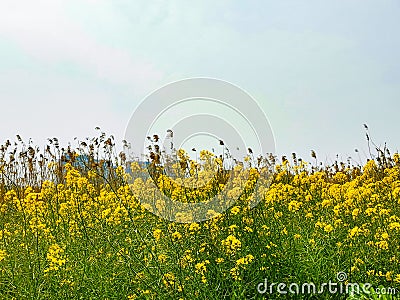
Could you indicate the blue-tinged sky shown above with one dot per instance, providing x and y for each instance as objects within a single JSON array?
[{"x": 319, "y": 69}]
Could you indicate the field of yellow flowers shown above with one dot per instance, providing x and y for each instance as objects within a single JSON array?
[{"x": 74, "y": 228}]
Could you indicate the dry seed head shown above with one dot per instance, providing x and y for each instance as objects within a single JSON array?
[{"x": 313, "y": 154}]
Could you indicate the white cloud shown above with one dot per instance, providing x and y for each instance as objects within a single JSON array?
[{"x": 44, "y": 30}]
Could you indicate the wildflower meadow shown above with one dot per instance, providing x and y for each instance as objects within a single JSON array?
[{"x": 85, "y": 222}]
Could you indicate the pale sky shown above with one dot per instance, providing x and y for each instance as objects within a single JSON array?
[{"x": 319, "y": 69}]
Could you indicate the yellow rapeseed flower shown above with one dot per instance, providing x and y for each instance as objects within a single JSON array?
[
  {"x": 176, "y": 235},
  {"x": 157, "y": 234},
  {"x": 235, "y": 210},
  {"x": 3, "y": 255},
  {"x": 328, "y": 228},
  {"x": 231, "y": 244}
]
